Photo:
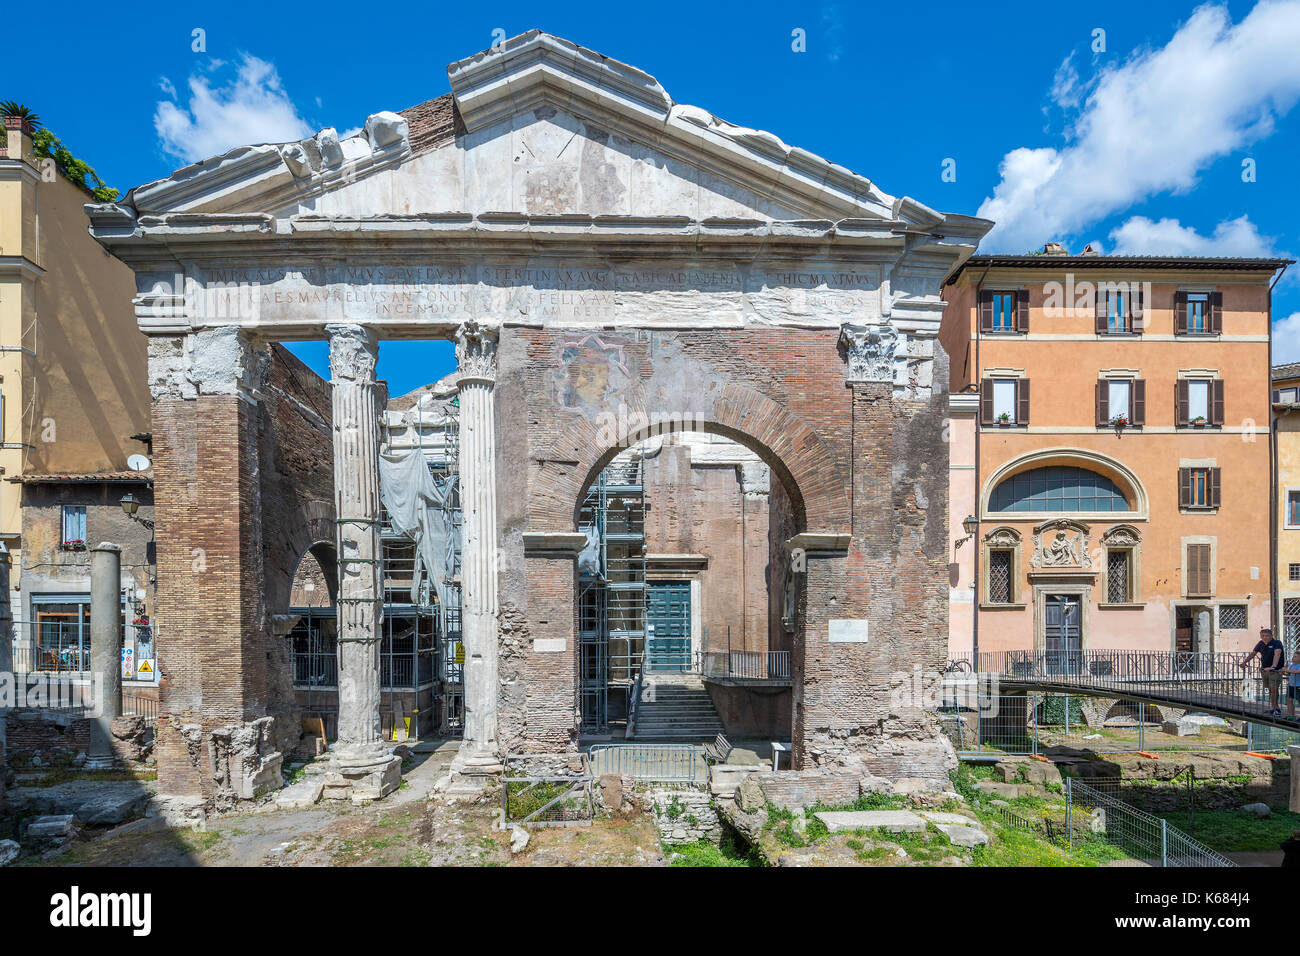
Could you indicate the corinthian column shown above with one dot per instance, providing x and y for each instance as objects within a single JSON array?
[
  {"x": 476, "y": 357},
  {"x": 362, "y": 767}
]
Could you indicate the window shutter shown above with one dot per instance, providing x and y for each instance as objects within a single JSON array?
[
  {"x": 1216, "y": 312},
  {"x": 986, "y": 311},
  {"x": 986, "y": 401},
  {"x": 1137, "y": 309},
  {"x": 1139, "y": 402},
  {"x": 1182, "y": 401},
  {"x": 1184, "y": 487},
  {"x": 1216, "y": 412},
  {"x": 1022, "y": 401},
  {"x": 1212, "y": 488},
  {"x": 1022, "y": 311},
  {"x": 1180, "y": 313},
  {"x": 1100, "y": 311},
  {"x": 1198, "y": 570},
  {"x": 1103, "y": 403}
]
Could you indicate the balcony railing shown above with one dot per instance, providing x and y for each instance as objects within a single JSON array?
[{"x": 748, "y": 665}]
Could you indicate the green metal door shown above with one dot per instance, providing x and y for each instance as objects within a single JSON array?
[{"x": 668, "y": 627}]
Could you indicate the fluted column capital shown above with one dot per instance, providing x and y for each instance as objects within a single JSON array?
[
  {"x": 476, "y": 352},
  {"x": 354, "y": 350}
]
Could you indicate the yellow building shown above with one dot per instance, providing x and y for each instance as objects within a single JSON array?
[
  {"x": 73, "y": 376},
  {"x": 1286, "y": 438}
]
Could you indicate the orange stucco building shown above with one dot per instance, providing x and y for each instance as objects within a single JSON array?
[{"x": 1110, "y": 437}]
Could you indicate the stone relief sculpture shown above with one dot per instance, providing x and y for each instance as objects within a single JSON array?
[{"x": 1061, "y": 544}]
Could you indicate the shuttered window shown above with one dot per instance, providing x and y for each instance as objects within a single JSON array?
[
  {"x": 1198, "y": 313},
  {"x": 1004, "y": 401},
  {"x": 1198, "y": 402},
  {"x": 1198, "y": 487},
  {"x": 1198, "y": 570},
  {"x": 1121, "y": 401},
  {"x": 1004, "y": 310}
]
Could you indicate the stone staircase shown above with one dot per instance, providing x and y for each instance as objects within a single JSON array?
[{"x": 678, "y": 709}]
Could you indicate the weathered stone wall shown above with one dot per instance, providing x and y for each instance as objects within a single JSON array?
[
  {"x": 855, "y": 460},
  {"x": 683, "y": 816},
  {"x": 243, "y": 484}
]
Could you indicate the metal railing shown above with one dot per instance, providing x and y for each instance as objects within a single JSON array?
[
  {"x": 1090, "y": 813},
  {"x": 664, "y": 763},
  {"x": 748, "y": 665},
  {"x": 136, "y": 706},
  {"x": 1031, "y": 723},
  {"x": 547, "y": 801},
  {"x": 1222, "y": 681}
]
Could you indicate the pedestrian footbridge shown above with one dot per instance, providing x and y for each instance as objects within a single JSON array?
[{"x": 1222, "y": 684}]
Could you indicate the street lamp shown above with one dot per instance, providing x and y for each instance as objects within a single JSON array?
[
  {"x": 130, "y": 505},
  {"x": 970, "y": 524}
]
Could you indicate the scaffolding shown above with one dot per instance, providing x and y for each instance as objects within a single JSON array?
[
  {"x": 437, "y": 441},
  {"x": 611, "y": 590}
]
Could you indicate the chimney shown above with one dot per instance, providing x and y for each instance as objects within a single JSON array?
[
  {"x": 1055, "y": 249},
  {"x": 1089, "y": 250},
  {"x": 18, "y": 139}
]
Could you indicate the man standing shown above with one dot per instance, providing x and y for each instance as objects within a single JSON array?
[{"x": 1271, "y": 668}]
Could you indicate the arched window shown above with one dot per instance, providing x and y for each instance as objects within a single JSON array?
[{"x": 1057, "y": 488}]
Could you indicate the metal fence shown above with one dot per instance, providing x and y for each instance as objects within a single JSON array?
[
  {"x": 136, "y": 706},
  {"x": 547, "y": 801},
  {"x": 1222, "y": 681},
  {"x": 748, "y": 665},
  {"x": 1031, "y": 723},
  {"x": 1091, "y": 813},
  {"x": 664, "y": 763}
]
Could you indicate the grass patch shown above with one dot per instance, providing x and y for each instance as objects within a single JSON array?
[
  {"x": 1231, "y": 831},
  {"x": 705, "y": 853}
]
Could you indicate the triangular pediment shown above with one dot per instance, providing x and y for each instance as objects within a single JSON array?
[{"x": 541, "y": 127}]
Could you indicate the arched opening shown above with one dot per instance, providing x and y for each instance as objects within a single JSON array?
[
  {"x": 1064, "y": 481},
  {"x": 686, "y": 589}
]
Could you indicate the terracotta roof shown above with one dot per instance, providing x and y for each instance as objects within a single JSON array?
[
  {"x": 433, "y": 123},
  {"x": 1172, "y": 263},
  {"x": 84, "y": 477},
  {"x": 1289, "y": 370}
]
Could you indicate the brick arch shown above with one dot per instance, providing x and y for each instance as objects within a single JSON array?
[
  {"x": 818, "y": 487},
  {"x": 310, "y": 528}
]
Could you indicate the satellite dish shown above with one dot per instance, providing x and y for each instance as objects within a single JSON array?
[{"x": 138, "y": 463}]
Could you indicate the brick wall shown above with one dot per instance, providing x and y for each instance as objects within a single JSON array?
[{"x": 243, "y": 488}]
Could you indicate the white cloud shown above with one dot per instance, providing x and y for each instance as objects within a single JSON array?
[
  {"x": 1151, "y": 124},
  {"x": 1139, "y": 235},
  {"x": 1286, "y": 339},
  {"x": 1066, "y": 86},
  {"x": 251, "y": 108}
]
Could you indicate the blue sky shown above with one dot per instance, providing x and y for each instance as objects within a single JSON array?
[{"x": 1133, "y": 138}]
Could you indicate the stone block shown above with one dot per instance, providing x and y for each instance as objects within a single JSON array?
[
  {"x": 1180, "y": 728},
  {"x": 962, "y": 835},
  {"x": 1008, "y": 791},
  {"x": 9, "y": 851},
  {"x": 725, "y": 778},
  {"x": 112, "y": 810},
  {"x": 301, "y": 795},
  {"x": 52, "y": 828},
  {"x": 895, "y": 821},
  {"x": 937, "y": 817}
]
